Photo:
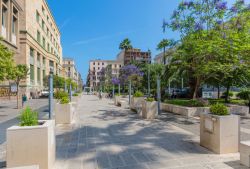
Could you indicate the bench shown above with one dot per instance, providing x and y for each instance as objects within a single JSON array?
[
  {"x": 26, "y": 167},
  {"x": 245, "y": 153}
]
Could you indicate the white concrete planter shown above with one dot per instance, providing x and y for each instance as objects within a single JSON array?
[
  {"x": 116, "y": 100},
  {"x": 32, "y": 145},
  {"x": 75, "y": 100},
  {"x": 220, "y": 134},
  {"x": 185, "y": 111},
  {"x": 149, "y": 110},
  {"x": 245, "y": 153},
  {"x": 136, "y": 102},
  {"x": 64, "y": 113}
]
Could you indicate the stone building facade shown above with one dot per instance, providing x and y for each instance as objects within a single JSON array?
[{"x": 40, "y": 44}]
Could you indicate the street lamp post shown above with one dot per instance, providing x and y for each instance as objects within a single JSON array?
[
  {"x": 70, "y": 92},
  {"x": 65, "y": 86},
  {"x": 113, "y": 91},
  {"x": 50, "y": 92},
  {"x": 159, "y": 94},
  {"x": 129, "y": 92},
  {"x": 149, "y": 81},
  {"x": 119, "y": 88}
]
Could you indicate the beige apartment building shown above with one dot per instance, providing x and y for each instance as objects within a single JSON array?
[
  {"x": 70, "y": 71},
  {"x": 40, "y": 43},
  {"x": 96, "y": 67}
]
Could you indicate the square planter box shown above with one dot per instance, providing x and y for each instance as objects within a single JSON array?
[
  {"x": 31, "y": 145},
  {"x": 149, "y": 110},
  {"x": 75, "y": 99},
  {"x": 116, "y": 100},
  {"x": 220, "y": 134},
  {"x": 245, "y": 153},
  {"x": 64, "y": 113},
  {"x": 136, "y": 102}
]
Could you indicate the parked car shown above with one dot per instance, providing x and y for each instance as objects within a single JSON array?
[{"x": 45, "y": 93}]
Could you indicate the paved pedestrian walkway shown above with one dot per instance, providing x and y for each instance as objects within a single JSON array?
[{"x": 108, "y": 137}]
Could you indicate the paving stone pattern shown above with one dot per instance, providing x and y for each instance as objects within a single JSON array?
[{"x": 109, "y": 137}]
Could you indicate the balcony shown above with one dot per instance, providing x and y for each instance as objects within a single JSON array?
[
  {"x": 13, "y": 39},
  {"x": 4, "y": 32}
]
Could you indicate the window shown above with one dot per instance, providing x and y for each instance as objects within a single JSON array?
[
  {"x": 4, "y": 21},
  {"x": 38, "y": 75},
  {"x": 102, "y": 63},
  {"x": 14, "y": 25},
  {"x": 94, "y": 63},
  {"x": 43, "y": 24},
  {"x": 37, "y": 17},
  {"x": 32, "y": 74},
  {"x": 44, "y": 42},
  {"x": 38, "y": 38}
]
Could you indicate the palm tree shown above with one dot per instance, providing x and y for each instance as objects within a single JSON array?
[
  {"x": 125, "y": 44},
  {"x": 163, "y": 45}
]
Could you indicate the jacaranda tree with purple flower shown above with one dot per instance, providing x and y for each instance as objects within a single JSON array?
[{"x": 131, "y": 73}]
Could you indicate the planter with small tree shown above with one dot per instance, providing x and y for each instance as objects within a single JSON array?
[
  {"x": 64, "y": 111},
  {"x": 149, "y": 109},
  {"x": 32, "y": 142},
  {"x": 219, "y": 131},
  {"x": 136, "y": 101}
]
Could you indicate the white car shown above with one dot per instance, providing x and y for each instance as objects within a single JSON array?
[{"x": 45, "y": 93}]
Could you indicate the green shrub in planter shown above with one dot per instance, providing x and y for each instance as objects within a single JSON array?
[
  {"x": 64, "y": 100},
  {"x": 60, "y": 94},
  {"x": 196, "y": 103},
  {"x": 149, "y": 99},
  {"x": 28, "y": 117},
  {"x": 138, "y": 94},
  {"x": 219, "y": 109},
  {"x": 117, "y": 94},
  {"x": 75, "y": 94}
]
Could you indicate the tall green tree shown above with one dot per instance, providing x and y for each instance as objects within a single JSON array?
[
  {"x": 163, "y": 45},
  {"x": 20, "y": 72},
  {"x": 125, "y": 44},
  {"x": 6, "y": 62}
]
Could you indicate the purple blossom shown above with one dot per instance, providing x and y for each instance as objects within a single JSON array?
[
  {"x": 175, "y": 13},
  {"x": 198, "y": 26},
  {"x": 241, "y": 2},
  {"x": 115, "y": 81},
  {"x": 221, "y": 5},
  {"x": 234, "y": 9},
  {"x": 129, "y": 70},
  {"x": 219, "y": 22},
  {"x": 188, "y": 3},
  {"x": 175, "y": 24}
]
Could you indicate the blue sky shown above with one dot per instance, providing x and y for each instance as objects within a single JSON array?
[{"x": 93, "y": 29}]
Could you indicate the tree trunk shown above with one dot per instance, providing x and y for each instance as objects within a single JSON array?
[
  {"x": 164, "y": 56},
  {"x": 218, "y": 87},
  {"x": 17, "y": 85},
  {"x": 249, "y": 106},
  {"x": 227, "y": 93},
  {"x": 9, "y": 90},
  {"x": 196, "y": 88}
]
